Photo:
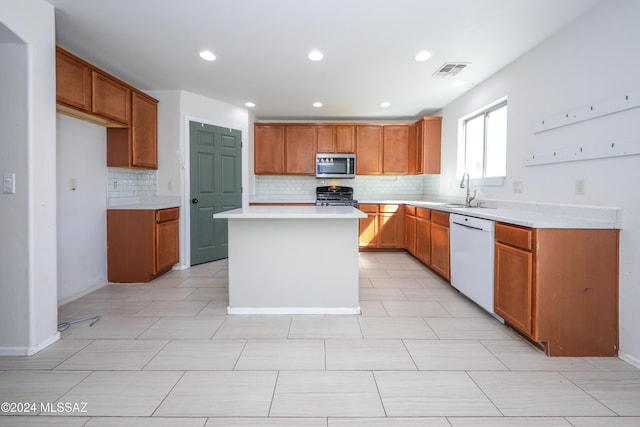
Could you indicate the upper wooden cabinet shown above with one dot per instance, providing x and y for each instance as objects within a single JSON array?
[
  {"x": 287, "y": 148},
  {"x": 73, "y": 81},
  {"x": 300, "y": 150},
  {"x": 336, "y": 138},
  {"x": 369, "y": 149},
  {"x": 136, "y": 146},
  {"x": 110, "y": 98},
  {"x": 268, "y": 149},
  {"x": 427, "y": 149},
  {"x": 131, "y": 116},
  {"x": 395, "y": 150}
]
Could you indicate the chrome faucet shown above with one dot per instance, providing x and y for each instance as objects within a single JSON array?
[{"x": 467, "y": 202}]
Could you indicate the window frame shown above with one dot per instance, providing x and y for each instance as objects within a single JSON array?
[{"x": 462, "y": 145}]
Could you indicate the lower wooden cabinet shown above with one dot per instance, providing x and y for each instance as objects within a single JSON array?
[
  {"x": 141, "y": 244},
  {"x": 440, "y": 259},
  {"x": 410, "y": 229},
  {"x": 383, "y": 228},
  {"x": 559, "y": 287},
  {"x": 423, "y": 235}
]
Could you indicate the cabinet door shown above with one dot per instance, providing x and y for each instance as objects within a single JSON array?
[
  {"x": 410, "y": 233},
  {"x": 300, "y": 150},
  {"x": 395, "y": 150},
  {"x": 440, "y": 249},
  {"x": 368, "y": 237},
  {"x": 345, "y": 139},
  {"x": 110, "y": 98},
  {"x": 167, "y": 246},
  {"x": 423, "y": 240},
  {"x": 413, "y": 150},
  {"x": 514, "y": 286},
  {"x": 326, "y": 135},
  {"x": 368, "y": 150},
  {"x": 429, "y": 141},
  {"x": 391, "y": 226},
  {"x": 144, "y": 132},
  {"x": 73, "y": 82},
  {"x": 268, "y": 149}
]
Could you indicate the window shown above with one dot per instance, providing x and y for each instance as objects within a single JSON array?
[{"x": 485, "y": 144}]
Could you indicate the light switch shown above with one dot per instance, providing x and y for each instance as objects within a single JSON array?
[
  {"x": 73, "y": 184},
  {"x": 9, "y": 183}
]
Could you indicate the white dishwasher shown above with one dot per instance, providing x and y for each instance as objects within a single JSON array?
[{"x": 472, "y": 246}]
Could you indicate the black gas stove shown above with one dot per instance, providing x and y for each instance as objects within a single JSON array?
[{"x": 335, "y": 195}]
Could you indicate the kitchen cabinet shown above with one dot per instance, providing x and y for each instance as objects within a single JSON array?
[
  {"x": 428, "y": 146},
  {"x": 440, "y": 261},
  {"x": 110, "y": 98},
  {"x": 368, "y": 227},
  {"x": 410, "y": 229},
  {"x": 142, "y": 244},
  {"x": 336, "y": 138},
  {"x": 382, "y": 149},
  {"x": 137, "y": 145},
  {"x": 559, "y": 287},
  {"x": 369, "y": 149},
  {"x": 300, "y": 150},
  {"x": 423, "y": 235},
  {"x": 130, "y": 116},
  {"x": 268, "y": 149},
  {"x": 73, "y": 81},
  {"x": 383, "y": 228},
  {"x": 395, "y": 150}
]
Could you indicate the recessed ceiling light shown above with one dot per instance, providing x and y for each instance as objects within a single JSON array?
[
  {"x": 317, "y": 104},
  {"x": 249, "y": 104},
  {"x": 457, "y": 83},
  {"x": 385, "y": 104},
  {"x": 423, "y": 56},
  {"x": 316, "y": 55},
  {"x": 207, "y": 55}
]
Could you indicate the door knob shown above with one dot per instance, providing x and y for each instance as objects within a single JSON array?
[{"x": 194, "y": 201}]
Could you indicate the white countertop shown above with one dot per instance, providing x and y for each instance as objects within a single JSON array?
[
  {"x": 143, "y": 203},
  {"x": 528, "y": 214},
  {"x": 293, "y": 212}
]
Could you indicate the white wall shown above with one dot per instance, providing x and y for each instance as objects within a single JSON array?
[
  {"x": 28, "y": 311},
  {"x": 175, "y": 110},
  {"x": 82, "y": 223},
  {"x": 591, "y": 60}
]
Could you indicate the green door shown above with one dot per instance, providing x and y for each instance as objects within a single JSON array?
[{"x": 216, "y": 186}]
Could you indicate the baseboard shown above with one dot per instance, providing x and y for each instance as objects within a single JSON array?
[
  {"x": 28, "y": 351},
  {"x": 81, "y": 294},
  {"x": 629, "y": 359},
  {"x": 293, "y": 310}
]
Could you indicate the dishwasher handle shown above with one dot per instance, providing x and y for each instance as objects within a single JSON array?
[{"x": 468, "y": 226}]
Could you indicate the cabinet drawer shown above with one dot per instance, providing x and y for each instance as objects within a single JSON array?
[
  {"x": 423, "y": 213},
  {"x": 440, "y": 217},
  {"x": 164, "y": 215},
  {"x": 520, "y": 237},
  {"x": 389, "y": 208},
  {"x": 367, "y": 208},
  {"x": 410, "y": 210}
]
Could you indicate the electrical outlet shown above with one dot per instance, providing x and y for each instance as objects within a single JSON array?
[
  {"x": 580, "y": 187},
  {"x": 9, "y": 183},
  {"x": 517, "y": 187}
]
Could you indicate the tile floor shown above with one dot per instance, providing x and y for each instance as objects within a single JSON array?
[{"x": 165, "y": 354}]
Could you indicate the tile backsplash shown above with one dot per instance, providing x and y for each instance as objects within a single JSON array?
[
  {"x": 131, "y": 182},
  {"x": 362, "y": 185}
]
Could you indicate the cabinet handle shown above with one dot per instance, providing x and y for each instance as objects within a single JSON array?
[{"x": 194, "y": 201}]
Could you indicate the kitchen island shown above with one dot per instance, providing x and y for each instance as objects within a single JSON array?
[{"x": 293, "y": 259}]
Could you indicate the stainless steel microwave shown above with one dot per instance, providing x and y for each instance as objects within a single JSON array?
[{"x": 335, "y": 165}]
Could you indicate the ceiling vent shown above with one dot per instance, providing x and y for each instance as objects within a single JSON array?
[{"x": 451, "y": 68}]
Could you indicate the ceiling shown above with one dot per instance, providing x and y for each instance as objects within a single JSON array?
[{"x": 261, "y": 48}]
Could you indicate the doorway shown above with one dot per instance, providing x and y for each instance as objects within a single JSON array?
[{"x": 216, "y": 186}]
